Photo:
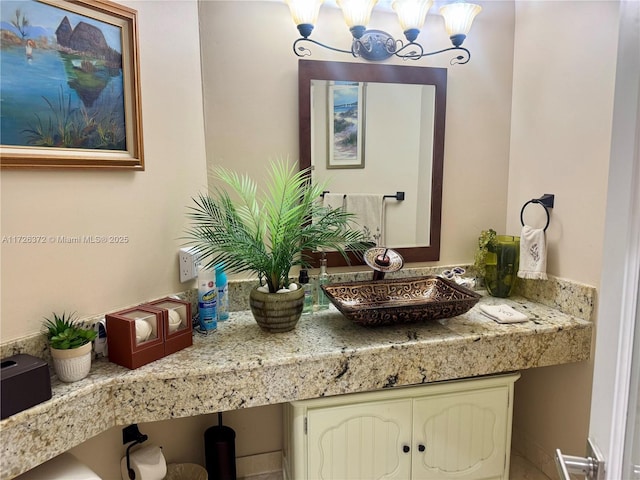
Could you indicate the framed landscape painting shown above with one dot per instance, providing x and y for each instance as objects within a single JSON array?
[
  {"x": 70, "y": 87},
  {"x": 346, "y": 125}
]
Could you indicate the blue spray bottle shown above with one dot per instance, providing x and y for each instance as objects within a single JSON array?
[
  {"x": 207, "y": 299},
  {"x": 223, "y": 293}
]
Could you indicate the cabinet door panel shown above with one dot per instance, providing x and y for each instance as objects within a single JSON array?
[
  {"x": 464, "y": 435},
  {"x": 362, "y": 441}
]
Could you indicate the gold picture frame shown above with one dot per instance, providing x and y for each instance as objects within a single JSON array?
[{"x": 94, "y": 119}]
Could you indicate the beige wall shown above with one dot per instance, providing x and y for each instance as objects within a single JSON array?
[
  {"x": 257, "y": 430},
  {"x": 148, "y": 207},
  {"x": 560, "y": 143}
]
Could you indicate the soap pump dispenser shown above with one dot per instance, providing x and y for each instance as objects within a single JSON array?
[
  {"x": 323, "y": 279},
  {"x": 303, "y": 279}
]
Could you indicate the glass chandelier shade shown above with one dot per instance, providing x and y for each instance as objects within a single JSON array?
[
  {"x": 305, "y": 13},
  {"x": 356, "y": 12},
  {"x": 411, "y": 13},
  {"x": 458, "y": 17}
]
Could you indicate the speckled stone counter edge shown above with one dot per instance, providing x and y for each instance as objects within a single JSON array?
[
  {"x": 241, "y": 366},
  {"x": 569, "y": 297}
]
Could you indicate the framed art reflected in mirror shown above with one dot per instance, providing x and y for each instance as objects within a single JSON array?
[{"x": 345, "y": 124}]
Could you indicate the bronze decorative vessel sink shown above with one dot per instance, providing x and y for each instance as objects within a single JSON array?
[{"x": 400, "y": 300}]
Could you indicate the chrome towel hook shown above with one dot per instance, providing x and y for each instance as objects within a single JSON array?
[{"x": 546, "y": 201}]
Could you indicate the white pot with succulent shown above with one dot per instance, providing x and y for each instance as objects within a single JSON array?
[
  {"x": 267, "y": 233},
  {"x": 70, "y": 346}
]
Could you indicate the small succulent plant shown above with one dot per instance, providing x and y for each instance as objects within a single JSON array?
[{"x": 64, "y": 332}]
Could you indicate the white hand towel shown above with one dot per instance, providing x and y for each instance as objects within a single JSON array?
[
  {"x": 533, "y": 254},
  {"x": 503, "y": 314},
  {"x": 369, "y": 214},
  {"x": 333, "y": 200}
]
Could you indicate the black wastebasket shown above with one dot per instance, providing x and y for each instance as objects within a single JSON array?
[{"x": 220, "y": 452}]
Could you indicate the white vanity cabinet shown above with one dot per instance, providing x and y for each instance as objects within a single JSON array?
[{"x": 451, "y": 430}]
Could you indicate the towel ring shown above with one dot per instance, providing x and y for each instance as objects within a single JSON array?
[{"x": 539, "y": 202}]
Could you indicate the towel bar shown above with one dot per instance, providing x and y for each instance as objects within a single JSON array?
[{"x": 398, "y": 195}]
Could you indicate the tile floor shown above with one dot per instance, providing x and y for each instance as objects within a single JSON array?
[{"x": 521, "y": 469}]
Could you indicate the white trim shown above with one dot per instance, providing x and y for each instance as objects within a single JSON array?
[
  {"x": 620, "y": 273},
  {"x": 631, "y": 307},
  {"x": 629, "y": 311}
]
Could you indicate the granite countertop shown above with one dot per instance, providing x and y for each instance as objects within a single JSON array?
[{"x": 240, "y": 366}]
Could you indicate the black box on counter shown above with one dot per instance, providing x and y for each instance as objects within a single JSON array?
[{"x": 25, "y": 382}]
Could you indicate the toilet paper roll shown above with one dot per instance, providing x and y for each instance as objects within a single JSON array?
[{"x": 147, "y": 463}]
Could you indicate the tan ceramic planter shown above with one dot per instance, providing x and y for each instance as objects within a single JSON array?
[
  {"x": 277, "y": 312},
  {"x": 73, "y": 364}
]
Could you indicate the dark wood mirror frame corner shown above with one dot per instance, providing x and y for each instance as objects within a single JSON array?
[{"x": 309, "y": 70}]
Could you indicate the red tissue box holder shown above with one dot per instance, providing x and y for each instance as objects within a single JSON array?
[
  {"x": 176, "y": 318},
  {"x": 135, "y": 336}
]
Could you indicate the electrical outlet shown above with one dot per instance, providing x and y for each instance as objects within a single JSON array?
[{"x": 188, "y": 264}]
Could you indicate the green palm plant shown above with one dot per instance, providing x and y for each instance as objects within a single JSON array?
[{"x": 268, "y": 232}]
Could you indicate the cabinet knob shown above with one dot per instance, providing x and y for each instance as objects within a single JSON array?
[
  {"x": 421, "y": 448},
  {"x": 406, "y": 448}
]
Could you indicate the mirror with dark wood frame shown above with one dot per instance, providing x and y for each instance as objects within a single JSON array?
[{"x": 312, "y": 73}]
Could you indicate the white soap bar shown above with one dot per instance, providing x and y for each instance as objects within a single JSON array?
[{"x": 503, "y": 314}]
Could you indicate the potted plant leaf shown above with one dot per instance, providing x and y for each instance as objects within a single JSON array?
[
  {"x": 496, "y": 261},
  {"x": 70, "y": 346},
  {"x": 486, "y": 242},
  {"x": 267, "y": 232}
]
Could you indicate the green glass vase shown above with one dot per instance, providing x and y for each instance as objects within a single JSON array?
[{"x": 501, "y": 267}]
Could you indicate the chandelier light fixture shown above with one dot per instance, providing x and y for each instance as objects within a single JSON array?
[{"x": 376, "y": 45}]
